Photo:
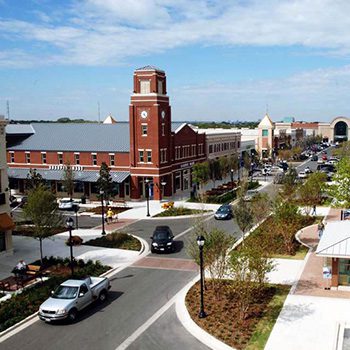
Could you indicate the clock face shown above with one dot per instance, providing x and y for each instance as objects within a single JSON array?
[
  {"x": 163, "y": 114},
  {"x": 144, "y": 114}
]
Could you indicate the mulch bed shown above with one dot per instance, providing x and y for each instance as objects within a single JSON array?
[
  {"x": 116, "y": 210},
  {"x": 222, "y": 319}
]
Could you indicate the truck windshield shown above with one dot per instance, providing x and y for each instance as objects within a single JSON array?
[{"x": 65, "y": 292}]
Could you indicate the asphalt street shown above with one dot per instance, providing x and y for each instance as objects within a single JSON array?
[{"x": 137, "y": 293}]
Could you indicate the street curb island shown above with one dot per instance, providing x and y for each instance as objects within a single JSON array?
[{"x": 26, "y": 322}]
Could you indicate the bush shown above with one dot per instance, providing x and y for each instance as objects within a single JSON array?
[
  {"x": 178, "y": 211},
  {"x": 116, "y": 240}
]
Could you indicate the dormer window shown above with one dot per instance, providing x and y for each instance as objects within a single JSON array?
[
  {"x": 145, "y": 86},
  {"x": 265, "y": 132}
]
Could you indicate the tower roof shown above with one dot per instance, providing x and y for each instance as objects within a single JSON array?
[
  {"x": 266, "y": 122},
  {"x": 148, "y": 68},
  {"x": 109, "y": 120}
]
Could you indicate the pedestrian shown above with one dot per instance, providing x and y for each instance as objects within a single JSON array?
[
  {"x": 313, "y": 210},
  {"x": 320, "y": 228},
  {"x": 110, "y": 215}
]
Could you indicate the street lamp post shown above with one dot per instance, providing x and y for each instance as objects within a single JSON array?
[
  {"x": 70, "y": 224},
  {"x": 147, "y": 195},
  {"x": 163, "y": 183},
  {"x": 232, "y": 175},
  {"x": 200, "y": 242},
  {"x": 76, "y": 209},
  {"x": 103, "y": 212}
]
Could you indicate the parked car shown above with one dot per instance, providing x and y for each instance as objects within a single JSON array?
[
  {"x": 66, "y": 204},
  {"x": 314, "y": 158},
  {"x": 224, "y": 212},
  {"x": 302, "y": 175},
  {"x": 72, "y": 296},
  {"x": 249, "y": 195},
  {"x": 162, "y": 239}
]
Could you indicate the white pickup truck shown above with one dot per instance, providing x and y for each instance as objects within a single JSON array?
[{"x": 72, "y": 296}]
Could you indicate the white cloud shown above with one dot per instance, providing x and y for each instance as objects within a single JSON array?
[{"x": 97, "y": 32}]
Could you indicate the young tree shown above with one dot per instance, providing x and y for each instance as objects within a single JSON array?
[
  {"x": 289, "y": 182},
  {"x": 105, "y": 182},
  {"x": 68, "y": 180},
  {"x": 34, "y": 180},
  {"x": 261, "y": 206},
  {"x": 42, "y": 210},
  {"x": 310, "y": 193},
  {"x": 200, "y": 173},
  {"x": 214, "y": 170},
  {"x": 244, "y": 216},
  {"x": 215, "y": 250},
  {"x": 224, "y": 167},
  {"x": 340, "y": 191},
  {"x": 286, "y": 218}
]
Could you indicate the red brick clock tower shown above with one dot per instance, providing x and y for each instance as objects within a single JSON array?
[{"x": 150, "y": 135}]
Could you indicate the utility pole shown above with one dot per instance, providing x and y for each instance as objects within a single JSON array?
[{"x": 8, "y": 109}]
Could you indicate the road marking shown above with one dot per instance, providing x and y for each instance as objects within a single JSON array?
[{"x": 128, "y": 341}]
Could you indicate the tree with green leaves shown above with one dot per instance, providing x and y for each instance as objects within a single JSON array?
[
  {"x": 244, "y": 216},
  {"x": 42, "y": 209},
  {"x": 310, "y": 193},
  {"x": 290, "y": 182},
  {"x": 68, "y": 179},
  {"x": 105, "y": 182},
  {"x": 216, "y": 249},
  {"x": 34, "y": 180},
  {"x": 340, "y": 191},
  {"x": 200, "y": 173}
]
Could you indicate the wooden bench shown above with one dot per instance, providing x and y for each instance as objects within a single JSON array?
[
  {"x": 120, "y": 202},
  {"x": 168, "y": 205}
]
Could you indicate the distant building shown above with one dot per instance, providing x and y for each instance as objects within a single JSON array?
[{"x": 6, "y": 223}]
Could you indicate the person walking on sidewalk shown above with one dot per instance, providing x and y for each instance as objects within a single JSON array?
[
  {"x": 110, "y": 215},
  {"x": 313, "y": 210}
]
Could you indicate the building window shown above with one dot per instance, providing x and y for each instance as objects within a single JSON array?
[
  {"x": 141, "y": 158},
  {"x": 145, "y": 86},
  {"x": 163, "y": 157},
  {"x": 210, "y": 148},
  {"x": 43, "y": 158},
  {"x": 160, "y": 87},
  {"x": 149, "y": 156},
  {"x": 27, "y": 157},
  {"x": 111, "y": 160},
  {"x": 163, "y": 129},
  {"x": 12, "y": 157},
  {"x": 144, "y": 129},
  {"x": 77, "y": 158},
  {"x": 193, "y": 150},
  {"x": 94, "y": 158},
  {"x": 60, "y": 158},
  {"x": 265, "y": 132}
]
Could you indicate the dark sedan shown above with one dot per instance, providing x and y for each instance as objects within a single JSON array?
[
  {"x": 224, "y": 212},
  {"x": 162, "y": 240}
]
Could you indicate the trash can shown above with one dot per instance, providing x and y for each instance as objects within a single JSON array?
[{"x": 83, "y": 200}]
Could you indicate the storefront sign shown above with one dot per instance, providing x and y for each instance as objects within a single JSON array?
[
  {"x": 186, "y": 165},
  {"x": 327, "y": 272}
]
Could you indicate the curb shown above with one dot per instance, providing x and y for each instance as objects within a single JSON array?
[
  {"x": 187, "y": 322},
  {"x": 210, "y": 212}
]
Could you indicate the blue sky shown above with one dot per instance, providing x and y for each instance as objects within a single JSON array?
[{"x": 224, "y": 60}]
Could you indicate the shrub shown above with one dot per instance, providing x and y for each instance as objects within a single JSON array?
[{"x": 116, "y": 240}]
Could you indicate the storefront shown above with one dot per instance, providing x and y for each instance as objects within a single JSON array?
[{"x": 334, "y": 247}]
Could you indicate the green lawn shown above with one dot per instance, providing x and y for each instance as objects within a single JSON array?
[
  {"x": 299, "y": 255},
  {"x": 264, "y": 327}
]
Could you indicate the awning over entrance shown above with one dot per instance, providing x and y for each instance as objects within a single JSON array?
[
  {"x": 57, "y": 175},
  {"x": 6, "y": 223}
]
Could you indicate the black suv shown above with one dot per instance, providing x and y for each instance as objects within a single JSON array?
[{"x": 162, "y": 240}]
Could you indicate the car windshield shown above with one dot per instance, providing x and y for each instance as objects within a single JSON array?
[
  {"x": 65, "y": 292},
  {"x": 64, "y": 201},
  {"x": 223, "y": 209},
  {"x": 161, "y": 235}
]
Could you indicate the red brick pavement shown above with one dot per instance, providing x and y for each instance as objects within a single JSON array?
[
  {"x": 117, "y": 225},
  {"x": 167, "y": 264},
  {"x": 311, "y": 281}
]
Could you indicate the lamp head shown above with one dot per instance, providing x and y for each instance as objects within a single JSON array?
[
  {"x": 200, "y": 241},
  {"x": 102, "y": 192},
  {"x": 69, "y": 222}
]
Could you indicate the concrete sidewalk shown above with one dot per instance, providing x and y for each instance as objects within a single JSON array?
[{"x": 27, "y": 248}]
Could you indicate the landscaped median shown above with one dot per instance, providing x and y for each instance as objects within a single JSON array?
[
  {"x": 181, "y": 211},
  {"x": 241, "y": 305}
]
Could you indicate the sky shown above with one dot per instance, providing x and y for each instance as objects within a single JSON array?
[{"x": 225, "y": 60}]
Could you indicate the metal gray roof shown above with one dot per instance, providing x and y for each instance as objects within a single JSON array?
[
  {"x": 149, "y": 67},
  {"x": 19, "y": 129},
  {"x": 82, "y": 137},
  {"x": 84, "y": 176},
  {"x": 176, "y": 125}
]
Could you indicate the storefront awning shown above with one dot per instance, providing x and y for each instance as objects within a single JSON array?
[
  {"x": 57, "y": 175},
  {"x": 6, "y": 223}
]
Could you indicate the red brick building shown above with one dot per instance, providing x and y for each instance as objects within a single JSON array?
[{"x": 150, "y": 148}]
